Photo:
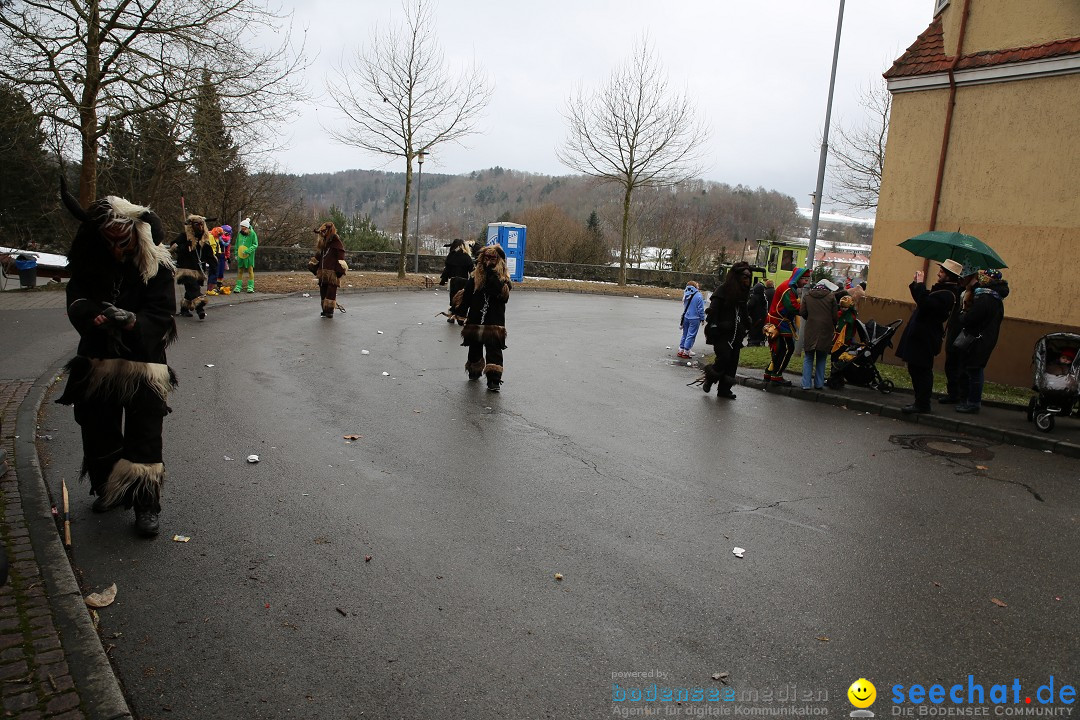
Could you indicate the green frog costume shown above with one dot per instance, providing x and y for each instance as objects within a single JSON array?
[{"x": 246, "y": 242}]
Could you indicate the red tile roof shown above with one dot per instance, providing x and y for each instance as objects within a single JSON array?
[{"x": 926, "y": 55}]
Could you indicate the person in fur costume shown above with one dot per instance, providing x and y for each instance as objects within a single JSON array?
[
  {"x": 484, "y": 301},
  {"x": 121, "y": 300},
  {"x": 194, "y": 253},
  {"x": 328, "y": 265},
  {"x": 457, "y": 269},
  {"x": 727, "y": 322}
]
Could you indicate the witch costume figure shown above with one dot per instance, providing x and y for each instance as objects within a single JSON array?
[
  {"x": 328, "y": 266},
  {"x": 194, "y": 253},
  {"x": 783, "y": 316},
  {"x": 484, "y": 301},
  {"x": 121, "y": 301}
]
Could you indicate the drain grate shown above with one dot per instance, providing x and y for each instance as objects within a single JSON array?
[{"x": 945, "y": 446}]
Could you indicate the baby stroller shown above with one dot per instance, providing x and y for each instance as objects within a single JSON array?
[
  {"x": 1056, "y": 364},
  {"x": 854, "y": 363}
]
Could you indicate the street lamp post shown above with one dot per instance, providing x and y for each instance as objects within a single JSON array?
[
  {"x": 816, "y": 214},
  {"x": 419, "y": 176}
]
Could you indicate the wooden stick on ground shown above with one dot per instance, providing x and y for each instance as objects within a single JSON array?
[{"x": 67, "y": 517}]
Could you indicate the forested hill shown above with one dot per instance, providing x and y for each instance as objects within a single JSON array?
[{"x": 462, "y": 205}]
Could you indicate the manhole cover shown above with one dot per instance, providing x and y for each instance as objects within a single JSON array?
[{"x": 945, "y": 446}]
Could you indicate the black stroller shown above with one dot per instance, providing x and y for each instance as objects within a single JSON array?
[
  {"x": 855, "y": 363},
  {"x": 1056, "y": 366}
]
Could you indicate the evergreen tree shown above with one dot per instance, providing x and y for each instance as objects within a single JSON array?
[
  {"x": 593, "y": 248},
  {"x": 28, "y": 175},
  {"x": 215, "y": 159},
  {"x": 358, "y": 232},
  {"x": 142, "y": 162}
]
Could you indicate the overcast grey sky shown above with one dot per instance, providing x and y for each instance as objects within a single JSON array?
[{"x": 758, "y": 71}]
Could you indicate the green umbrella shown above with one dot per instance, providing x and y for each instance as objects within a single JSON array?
[{"x": 966, "y": 249}]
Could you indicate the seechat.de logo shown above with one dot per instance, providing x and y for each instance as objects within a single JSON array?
[{"x": 862, "y": 695}]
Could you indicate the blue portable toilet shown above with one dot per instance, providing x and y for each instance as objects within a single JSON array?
[{"x": 512, "y": 238}]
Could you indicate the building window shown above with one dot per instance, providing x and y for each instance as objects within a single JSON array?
[{"x": 940, "y": 5}]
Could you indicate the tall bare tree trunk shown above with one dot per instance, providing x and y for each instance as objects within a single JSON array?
[
  {"x": 625, "y": 234},
  {"x": 405, "y": 221}
]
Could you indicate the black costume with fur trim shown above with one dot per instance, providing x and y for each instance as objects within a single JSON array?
[
  {"x": 119, "y": 380},
  {"x": 457, "y": 268},
  {"x": 192, "y": 255},
  {"x": 484, "y": 302},
  {"x": 329, "y": 266}
]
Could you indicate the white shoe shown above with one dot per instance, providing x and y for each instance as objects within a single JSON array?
[{"x": 691, "y": 353}]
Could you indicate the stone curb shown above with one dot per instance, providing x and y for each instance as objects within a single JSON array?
[
  {"x": 90, "y": 669},
  {"x": 997, "y": 435}
]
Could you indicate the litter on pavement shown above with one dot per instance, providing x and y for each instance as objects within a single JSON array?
[
  {"x": 253, "y": 458},
  {"x": 102, "y": 599},
  {"x": 738, "y": 552}
]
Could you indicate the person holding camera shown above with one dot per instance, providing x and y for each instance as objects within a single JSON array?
[
  {"x": 484, "y": 301},
  {"x": 921, "y": 341}
]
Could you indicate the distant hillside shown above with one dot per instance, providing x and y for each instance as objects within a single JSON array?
[
  {"x": 462, "y": 205},
  {"x": 699, "y": 223}
]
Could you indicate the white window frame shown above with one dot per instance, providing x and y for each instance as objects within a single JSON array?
[{"x": 940, "y": 5}]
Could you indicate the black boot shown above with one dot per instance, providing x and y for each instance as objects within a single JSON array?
[
  {"x": 146, "y": 520},
  {"x": 494, "y": 377},
  {"x": 711, "y": 376}
]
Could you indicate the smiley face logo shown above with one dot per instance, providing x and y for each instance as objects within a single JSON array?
[{"x": 862, "y": 693}]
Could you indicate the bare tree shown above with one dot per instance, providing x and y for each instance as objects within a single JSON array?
[
  {"x": 859, "y": 153},
  {"x": 401, "y": 98},
  {"x": 88, "y": 65},
  {"x": 634, "y": 132}
]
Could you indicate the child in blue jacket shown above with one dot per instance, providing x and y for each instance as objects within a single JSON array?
[{"x": 693, "y": 314}]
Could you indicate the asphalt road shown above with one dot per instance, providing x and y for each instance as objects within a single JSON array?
[{"x": 867, "y": 554}]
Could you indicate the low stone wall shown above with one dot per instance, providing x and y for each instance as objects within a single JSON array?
[{"x": 282, "y": 258}]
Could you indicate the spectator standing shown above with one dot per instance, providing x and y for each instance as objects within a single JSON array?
[
  {"x": 983, "y": 320},
  {"x": 819, "y": 307},
  {"x": 757, "y": 307},
  {"x": 921, "y": 341},
  {"x": 692, "y": 315},
  {"x": 956, "y": 380},
  {"x": 727, "y": 322},
  {"x": 246, "y": 244}
]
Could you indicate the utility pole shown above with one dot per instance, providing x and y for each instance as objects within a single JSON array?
[{"x": 812, "y": 247}]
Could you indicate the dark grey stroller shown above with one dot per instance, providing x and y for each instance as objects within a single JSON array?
[{"x": 1056, "y": 369}]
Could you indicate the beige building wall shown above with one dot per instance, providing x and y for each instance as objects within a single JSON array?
[
  {"x": 1012, "y": 179},
  {"x": 1004, "y": 24}
]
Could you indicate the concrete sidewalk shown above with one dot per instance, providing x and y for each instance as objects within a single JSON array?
[{"x": 997, "y": 422}]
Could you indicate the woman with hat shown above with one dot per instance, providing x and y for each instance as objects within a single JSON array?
[
  {"x": 982, "y": 320},
  {"x": 922, "y": 338},
  {"x": 956, "y": 379}
]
